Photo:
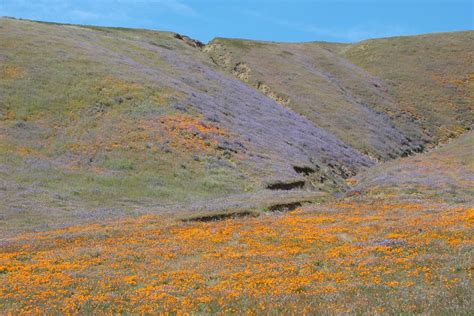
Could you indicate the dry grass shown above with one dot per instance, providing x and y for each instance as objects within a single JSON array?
[{"x": 430, "y": 76}]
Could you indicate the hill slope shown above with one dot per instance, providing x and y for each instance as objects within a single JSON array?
[
  {"x": 147, "y": 114},
  {"x": 321, "y": 86},
  {"x": 431, "y": 76},
  {"x": 96, "y": 122},
  {"x": 385, "y": 97},
  {"x": 446, "y": 173}
]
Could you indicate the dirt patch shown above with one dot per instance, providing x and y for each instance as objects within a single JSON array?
[
  {"x": 189, "y": 41},
  {"x": 242, "y": 71},
  {"x": 266, "y": 90}
]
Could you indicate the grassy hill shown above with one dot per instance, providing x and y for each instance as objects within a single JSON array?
[
  {"x": 323, "y": 87},
  {"x": 97, "y": 121},
  {"x": 102, "y": 118},
  {"x": 446, "y": 173},
  {"x": 144, "y": 172},
  {"x": 403, "y": 245},
  {"x": 385, "y": 97},
  {"x": 431, "y": 77}
]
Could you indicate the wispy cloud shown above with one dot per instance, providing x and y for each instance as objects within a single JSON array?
[
  {"x": 173, "y": 5},
  {"x": 84, "y": 15},
  {"x": 351, "y": 34},
  {"x": 179, "y": 7},
  {"x": 357, "y": 32},
  {"x": 93, "y": 10}
]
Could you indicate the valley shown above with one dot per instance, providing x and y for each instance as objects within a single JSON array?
[{"x": 146, "y": 172}]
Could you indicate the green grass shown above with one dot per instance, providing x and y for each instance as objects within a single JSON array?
[
  {"x": 319, "y": 85},
  {"x": 444, "y": 174},
  {"x": 65, "y": 105},
  {"x": 429, "y": 75}
]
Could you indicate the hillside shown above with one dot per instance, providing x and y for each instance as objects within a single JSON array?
[
  {"x": 143, "y": 172},
  {"x": 95, "y": 116},
  {"x": 446, "y": 173},
  {"x": 351, "y": 257},
  {"x": 404, "y": 244},
  {"x": 97, "y": 122},
  {"x": 431, "y": 77},
  {"x": 326, "y": 89},
  {"x": 385, "y": 97}
]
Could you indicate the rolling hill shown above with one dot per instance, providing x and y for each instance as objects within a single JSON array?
[
  {"x": 112, "y": 103},
  {"x": 146, "y": 172},
  {"x": 114, "y": 120},
  {"x": 385, "y": 97}
]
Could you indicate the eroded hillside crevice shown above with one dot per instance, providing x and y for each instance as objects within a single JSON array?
[
  {"x": 219, "y": 217},
  {"x": 243, "y": 72},
  {"x": 269, "y": 92},
  {"x": 304, "y": 170},
  {"x": 190, "y": 41},
  {"x": 286, "y": 185},
  {"x": 285, "y": 207}
]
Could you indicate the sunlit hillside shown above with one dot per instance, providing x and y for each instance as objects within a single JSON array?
[{"x": 144, "y": 172}]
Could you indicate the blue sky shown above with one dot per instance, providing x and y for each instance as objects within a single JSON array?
[{"x": 277, "y": 20}]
